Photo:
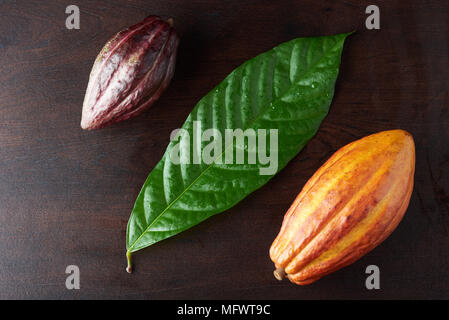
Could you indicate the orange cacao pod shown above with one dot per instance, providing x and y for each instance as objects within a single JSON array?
[{"x": 348, "y": 207}]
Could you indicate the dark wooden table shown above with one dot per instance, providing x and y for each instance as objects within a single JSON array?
[{"x": 66, "y": 194}]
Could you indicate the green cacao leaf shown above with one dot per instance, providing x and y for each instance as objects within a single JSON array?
[{"x": 288, "y": 88}]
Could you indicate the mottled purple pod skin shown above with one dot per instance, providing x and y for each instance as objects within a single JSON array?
[{"x": 130, "y": 73}]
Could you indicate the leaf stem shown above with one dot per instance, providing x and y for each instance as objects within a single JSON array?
[{"x": 129, "y": 268}]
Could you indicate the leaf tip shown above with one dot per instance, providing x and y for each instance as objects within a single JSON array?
[{"x": 347, "y": 34}]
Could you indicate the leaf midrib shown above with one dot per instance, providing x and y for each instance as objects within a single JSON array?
[{"x": 226, "y": 147}]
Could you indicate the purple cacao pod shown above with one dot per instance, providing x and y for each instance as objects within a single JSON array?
[{"x": 130, "y": 73}]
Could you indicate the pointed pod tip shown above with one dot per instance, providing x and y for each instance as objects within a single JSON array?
[{"x": 86, "y": 122}]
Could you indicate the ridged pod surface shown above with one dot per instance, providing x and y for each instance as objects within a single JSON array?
[
  {"x": 348, "y": 207},
  {"x": 130, "y": 73}
]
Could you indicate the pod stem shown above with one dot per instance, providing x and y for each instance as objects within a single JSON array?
[
  {"x": 279, "y": 273},
  {"x": 129, "y": 268}
]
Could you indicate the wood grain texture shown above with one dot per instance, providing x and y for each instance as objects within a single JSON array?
[{"x": 66, "y": 194}]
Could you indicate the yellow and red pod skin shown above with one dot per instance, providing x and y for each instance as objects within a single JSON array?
[{"x": 347, "y": 208}]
